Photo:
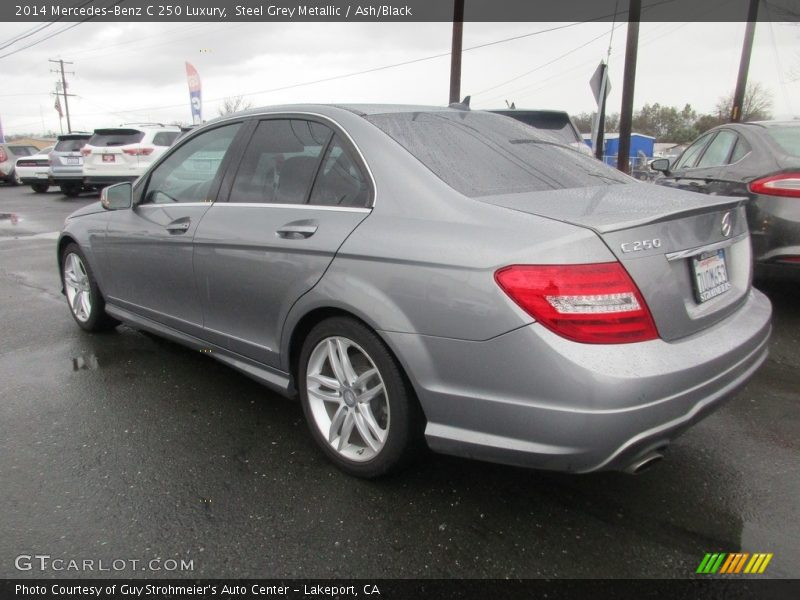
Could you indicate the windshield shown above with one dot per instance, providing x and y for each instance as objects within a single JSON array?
[
  {"x": 116, "y": 137},
  {"x": 484, "y": 154},
  {"x": 71, "y": 144}
]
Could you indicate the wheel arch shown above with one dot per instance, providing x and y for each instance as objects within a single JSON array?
[{"x": 303, "y": 326}]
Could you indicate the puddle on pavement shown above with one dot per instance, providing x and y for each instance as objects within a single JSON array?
[
  {"x": 12, "y": 218},
  {"x": 87, "y": 362}
]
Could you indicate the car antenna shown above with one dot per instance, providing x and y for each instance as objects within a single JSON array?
[{"x": 463, "y": 105}]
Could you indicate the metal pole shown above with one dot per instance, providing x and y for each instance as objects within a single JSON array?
[
  {"x": 601, "y": 117},
  {"x": 66, "y": 102},
  {"x": 64, "y": 89},
  {"x": 629, "y": 79},
  {"x": 744, "y": 63},
  {"x": 455, "y": 54}
]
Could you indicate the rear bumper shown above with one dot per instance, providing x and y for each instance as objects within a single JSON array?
[
  {"x": 33, "y": 180},
  {"x": 532, "y": 398}
]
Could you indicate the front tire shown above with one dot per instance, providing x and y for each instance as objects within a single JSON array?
[
  {"x": 40, "y": 188},
  {"x": 84, "y": 299},
  {"x": 360, "y": 408}
]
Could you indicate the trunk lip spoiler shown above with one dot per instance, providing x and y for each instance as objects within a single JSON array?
[{"x": 681, "y": 254}]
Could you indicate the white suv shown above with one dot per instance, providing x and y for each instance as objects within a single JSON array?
[{"x": 124, "y": 153}]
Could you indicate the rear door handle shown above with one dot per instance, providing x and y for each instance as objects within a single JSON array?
[
  {"x": 297, "y": 230},
  {"x": 179, "y": 226}
]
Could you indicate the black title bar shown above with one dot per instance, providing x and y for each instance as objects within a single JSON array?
[{"x": 390, "y": 10}]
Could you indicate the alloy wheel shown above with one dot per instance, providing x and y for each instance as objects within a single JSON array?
[
  {"x": 78, "y": 287},
  {"x": 347, "y": 398}
]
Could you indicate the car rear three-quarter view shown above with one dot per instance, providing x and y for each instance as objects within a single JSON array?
[{"x": 427, "y": 275}]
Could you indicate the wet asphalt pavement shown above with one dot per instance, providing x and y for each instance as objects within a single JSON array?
[{"x": 122, "y": 446}]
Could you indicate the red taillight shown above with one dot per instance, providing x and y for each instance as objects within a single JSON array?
[
  {"x": 139, "y": 151},
  {"x": 783, "y": 184},
  {"x": 593, "y": 304},
  {"x": 86, "y": 151},
  {"x": 3, "y": 155}
]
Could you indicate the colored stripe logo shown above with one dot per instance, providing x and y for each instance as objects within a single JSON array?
[{"x": 734, "y": 563}]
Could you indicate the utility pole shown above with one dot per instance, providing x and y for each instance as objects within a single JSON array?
[
  {"x": 64, "y": 88},
  {"x": 629, "y": 79},
  {"x": 455, "y": 53},
  {"x": 744, "y": 63}
]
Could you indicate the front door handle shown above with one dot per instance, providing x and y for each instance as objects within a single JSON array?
[
  {"x": 179, "y": 226},
  {"x": 297, "y": 230}
]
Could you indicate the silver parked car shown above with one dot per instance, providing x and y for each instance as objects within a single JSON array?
[{"x": 421, "y": 274}]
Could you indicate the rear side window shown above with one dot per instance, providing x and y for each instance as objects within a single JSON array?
[
  {"x": 280, "y": 162},
  {"x": 116, "y": 137},
  {"x": 165, "y": 138},
  {"x": 483, "y": 154},
  {"x": 70, "y": 145},
  {"x": 740, "y": 150},
  {"x": 788, "y": 138},
  {"x": 340, "y": 181}
]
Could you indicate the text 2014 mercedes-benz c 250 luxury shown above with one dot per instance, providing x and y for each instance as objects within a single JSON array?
[{"x": 431, "y": 275}]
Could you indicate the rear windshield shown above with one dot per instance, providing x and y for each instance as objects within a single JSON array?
[
  {"x": 557, "y": 124},
  {"x": 23, "y": 150},
  {"x": 788, "y": 138},
  {"x": 70, "y": 145},
  {"x": 484, "y": 154},
  {"x": 116, "y": 137}
]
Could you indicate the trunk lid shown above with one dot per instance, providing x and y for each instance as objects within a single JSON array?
[{"x": 689, "y": 254}]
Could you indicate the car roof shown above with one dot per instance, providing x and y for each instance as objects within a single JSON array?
[{"x": 332, "y": 109}]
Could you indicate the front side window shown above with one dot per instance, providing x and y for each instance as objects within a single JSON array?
[
  {"x": 188, "y": 173},
  {"x": 340, "y": 181},
  {"x": 718, "y": 150},
  {"x": 689, "y": 156},
  {"x": 280, "y": 162}
]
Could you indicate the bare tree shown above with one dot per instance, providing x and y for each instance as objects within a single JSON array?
[
  {"x": 233, "y": 104},
  {"x": 757, "y": 105}
]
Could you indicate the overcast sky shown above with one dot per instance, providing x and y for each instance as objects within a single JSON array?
[{"x": 127, "y": 72}]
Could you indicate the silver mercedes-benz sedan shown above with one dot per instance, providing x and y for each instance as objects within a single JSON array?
[{"x": 431, "y": 275}]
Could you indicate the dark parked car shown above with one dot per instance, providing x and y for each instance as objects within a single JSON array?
[
  {"x": 419, "y": 273},
  {"x": 759, "y": 161},
  {"x": 557, "y": 123}
]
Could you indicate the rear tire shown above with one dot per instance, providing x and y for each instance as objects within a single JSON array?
[
  {"x": 84, "y": 299},
  {"x": 360, "y": 408},
  {"x": 71, "y": 190},
  {"x": 40, "y": 188}
]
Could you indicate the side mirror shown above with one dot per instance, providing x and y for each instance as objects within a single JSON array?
[
  {"x": 660, "y": 164},
  {"x": 118, "y": 196}
]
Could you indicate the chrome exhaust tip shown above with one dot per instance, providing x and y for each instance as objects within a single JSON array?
[{"x": 643, "y": 463}]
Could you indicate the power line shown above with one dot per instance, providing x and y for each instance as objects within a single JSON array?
[{"x": 55, "y": 33}]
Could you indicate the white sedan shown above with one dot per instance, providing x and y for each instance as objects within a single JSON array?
[{"x": 34, "y": 170}]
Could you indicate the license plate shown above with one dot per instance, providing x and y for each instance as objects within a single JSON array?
[
  {"x": 72, "y": 161},
  {"x": 108, "y": 158},
  {"x": 710, "y": 275}
]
